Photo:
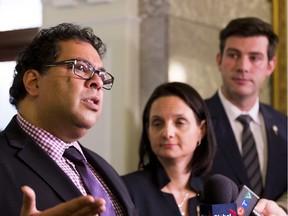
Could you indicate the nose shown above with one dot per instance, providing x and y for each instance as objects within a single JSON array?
[
  {"x": 243, "y": 64},
  {"x": 95, "y": 82},
  {"x": 168, "y": 131}
]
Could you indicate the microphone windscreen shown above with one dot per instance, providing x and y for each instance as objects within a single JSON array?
[{"x": 219, "y": 189}]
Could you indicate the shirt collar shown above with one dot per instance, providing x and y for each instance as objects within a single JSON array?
[
  {"x": 233, "y": 111},
  {"x": 52, "y": 145}
]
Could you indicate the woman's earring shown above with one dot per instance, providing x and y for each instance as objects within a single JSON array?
[{"x": 198, "y": 143}]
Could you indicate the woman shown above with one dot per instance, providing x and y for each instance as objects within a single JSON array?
[{"x": 176, "y": 149}]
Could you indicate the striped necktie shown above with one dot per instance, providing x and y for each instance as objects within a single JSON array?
[{"x": 250, "y": 155}]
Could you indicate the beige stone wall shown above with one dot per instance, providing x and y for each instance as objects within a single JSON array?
[{"x": 185, "y": 32}]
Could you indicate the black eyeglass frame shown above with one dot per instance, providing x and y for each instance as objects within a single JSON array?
[{"x": 107, "y": 84}]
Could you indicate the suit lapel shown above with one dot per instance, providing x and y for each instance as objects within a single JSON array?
[
  {"x": 49, "y": 171},
  {"x": 32, "y": 154},
  {"x": 226, "y": 141},
  {"x": 273, "y": 151}
]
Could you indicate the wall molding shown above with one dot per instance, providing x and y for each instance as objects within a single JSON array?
[{"x": 74, "y": 3}]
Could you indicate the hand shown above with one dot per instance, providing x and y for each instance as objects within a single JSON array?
[
  {"x": 267, "y": 207},
  {"x": 84, "y": 205}
]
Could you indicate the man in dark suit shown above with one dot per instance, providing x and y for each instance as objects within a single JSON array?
[
  {"x": 58, "y": 92},
  {"x": 246, "y": 59}
]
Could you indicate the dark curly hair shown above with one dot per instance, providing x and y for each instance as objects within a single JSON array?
[
  {"x": 44, "y": 50},
  {"x": 249, "y": 27},
  {"x": 204, "y": 154}
]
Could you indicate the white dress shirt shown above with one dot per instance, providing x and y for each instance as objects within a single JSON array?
[{"x": 257, "y": 128}]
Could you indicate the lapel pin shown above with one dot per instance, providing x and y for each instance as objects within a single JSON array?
[{"x": 275, "y": 129}]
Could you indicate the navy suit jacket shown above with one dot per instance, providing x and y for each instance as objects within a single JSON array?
[
  {"x": 23, "y": 162},
  {"x": 228, "y": 160}
]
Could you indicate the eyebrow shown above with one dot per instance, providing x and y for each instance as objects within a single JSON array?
[
  {"x": 85, "y": 60},
  {"x": 251, "y": 52},
  {"x": 232, "y": 49}
]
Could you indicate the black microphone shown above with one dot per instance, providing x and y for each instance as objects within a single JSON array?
[
  {"x": 218, "y": 196},
  {"x": 221, "y": 196}
]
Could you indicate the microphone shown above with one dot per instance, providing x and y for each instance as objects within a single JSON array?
[{"x": 218, "y": 196}]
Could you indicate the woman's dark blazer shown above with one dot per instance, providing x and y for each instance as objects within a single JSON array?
[{"x": 145, "y": 190}]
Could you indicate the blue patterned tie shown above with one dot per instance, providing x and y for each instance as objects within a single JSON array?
[
  {"x": 250, "y": 155},
  {"x": 92, "y": 185}
]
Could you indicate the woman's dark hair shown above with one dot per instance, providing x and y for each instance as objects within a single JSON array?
[
  {"x": 204, "y": 154},
  {"x": 45, "y": 49},
  {"x": 249, "y": 27}
]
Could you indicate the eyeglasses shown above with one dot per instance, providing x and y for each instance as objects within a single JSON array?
[{"x": 86, "y": 71}]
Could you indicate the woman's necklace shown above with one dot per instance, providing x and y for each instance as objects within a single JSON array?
[{"x": 182, "y": 212}]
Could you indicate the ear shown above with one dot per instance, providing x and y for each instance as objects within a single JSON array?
[
  {"x": 218, "y": 59},
  {"x": 30, "y": 80},
  {"x": 203, "y": 128},
  {"x": 271, "y": 66}
]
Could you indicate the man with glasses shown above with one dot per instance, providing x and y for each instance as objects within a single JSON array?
[{"x": 58, "y": 93}]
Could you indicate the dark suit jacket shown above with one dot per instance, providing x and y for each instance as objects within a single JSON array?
[
  {"x": 23, "y": 162},
  {"x": 145, "y": 189},
  {"x": 228, "y": 160}
]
